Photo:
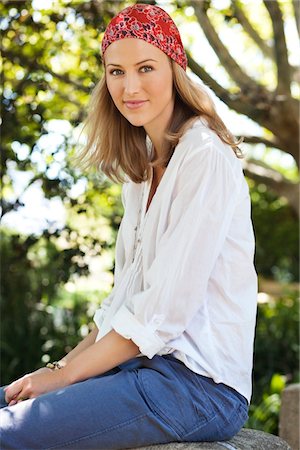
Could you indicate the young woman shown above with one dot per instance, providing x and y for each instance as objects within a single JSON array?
[{"x": 170, "y": 358}]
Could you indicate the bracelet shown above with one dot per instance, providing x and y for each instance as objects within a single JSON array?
[{"x": 54, "y": 365}]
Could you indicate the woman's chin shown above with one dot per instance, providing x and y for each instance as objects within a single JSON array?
[{"x": 136, "y": 122}]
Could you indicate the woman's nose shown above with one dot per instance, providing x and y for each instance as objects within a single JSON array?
[{"x": 131, "y": 84}]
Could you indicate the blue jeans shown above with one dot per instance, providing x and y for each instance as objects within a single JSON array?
[{"x": 141, "y": 402}]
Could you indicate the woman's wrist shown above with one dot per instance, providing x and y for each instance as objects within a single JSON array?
[{"x": 61, "y": 377}]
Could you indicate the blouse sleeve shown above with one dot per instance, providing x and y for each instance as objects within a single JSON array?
[{"x": 176, "y": 282}]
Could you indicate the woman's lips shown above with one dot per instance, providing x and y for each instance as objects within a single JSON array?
[{"x": 135, "y": 104}]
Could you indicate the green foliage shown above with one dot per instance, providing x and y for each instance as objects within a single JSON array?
[
  {"x": 277, "y": 340},
  {"x": 277, "y": 235},
  {"x": 265, "y": 415},
  {"x": 276, "y": 358},
  {"x": 31, "y": 271},
  {"x": 49, "y": 68}
]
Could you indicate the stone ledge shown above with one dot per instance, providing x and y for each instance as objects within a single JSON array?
[{"x": 246, "y": 439}]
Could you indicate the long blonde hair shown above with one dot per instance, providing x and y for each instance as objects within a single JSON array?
[{"x": 119, "y": 149}]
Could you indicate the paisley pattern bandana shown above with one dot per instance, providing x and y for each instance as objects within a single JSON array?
[{"x": 151, "y": 24}]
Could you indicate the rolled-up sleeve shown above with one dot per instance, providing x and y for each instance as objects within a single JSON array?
[
  {"x": 175, "y": 284},
  {"x": 144, "y": 335}
]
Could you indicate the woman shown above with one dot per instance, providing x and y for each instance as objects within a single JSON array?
[{"x": 171, "y": 356}]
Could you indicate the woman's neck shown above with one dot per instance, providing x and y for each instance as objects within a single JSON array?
[
  {"x": 156, "y": 129},
  {"x": 157, "y": 139}
]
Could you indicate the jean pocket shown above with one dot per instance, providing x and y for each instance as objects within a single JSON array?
[{"x": 177, "y": 399}]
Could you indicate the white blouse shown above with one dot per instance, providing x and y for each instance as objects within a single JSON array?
[{"x": 185, "y": 282}]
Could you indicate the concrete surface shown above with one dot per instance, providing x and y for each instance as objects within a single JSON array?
[{"x": 244, "y": 440}]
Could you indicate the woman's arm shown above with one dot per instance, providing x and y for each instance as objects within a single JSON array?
[
  {"x": 83, "y": 345},
  {"x": 110, "y": 351},
  {"x": 97, "y": 358}
]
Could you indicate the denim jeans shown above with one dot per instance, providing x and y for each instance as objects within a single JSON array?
[{"x": 141, "y": 402}]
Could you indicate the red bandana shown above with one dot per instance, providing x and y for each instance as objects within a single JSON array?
[{"x": 150, "y": 23}]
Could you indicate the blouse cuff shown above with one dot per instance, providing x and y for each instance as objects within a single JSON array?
[
  {"x": 99, "y": 317},
  {"x": 145, "y": 337}
]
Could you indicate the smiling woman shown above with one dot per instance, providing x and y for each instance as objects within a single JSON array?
[{"x": 170, "y": 358}]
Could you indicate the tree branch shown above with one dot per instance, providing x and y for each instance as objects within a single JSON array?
[
  {"x": 206, "y": 78},
  {"x": 249, "y": 103},
  {"x": 229, "y": 63},
  {"x": 261, "y": 140},
  {"x": 277, "y": 113},
  {"x": 35, "y": 66},
  {"x": 242, "y": 19},
  {"x": 296, "y": 7},
  {"x": 7, "y": 207},
  {"x": 261, "y": 173},
  {"x": 280, "y": 48}
]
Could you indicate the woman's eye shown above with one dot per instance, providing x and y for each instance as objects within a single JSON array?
[
  {"x": 146, "y": 69},
  {"x": 116, "y": 72}
]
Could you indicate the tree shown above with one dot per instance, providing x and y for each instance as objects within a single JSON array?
[
  {"x": 51, "y": 65},
  {"x": 275, "y": 110}
]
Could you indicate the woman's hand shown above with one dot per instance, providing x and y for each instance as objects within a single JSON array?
[{"x": 34, "y": 384}]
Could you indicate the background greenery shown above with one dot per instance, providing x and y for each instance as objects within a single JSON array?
[{"x": 50, "y": 64}]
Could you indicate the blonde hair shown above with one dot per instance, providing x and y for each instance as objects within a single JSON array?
[{"x": 119, "y": 149}]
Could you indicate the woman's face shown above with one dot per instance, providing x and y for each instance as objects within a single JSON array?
[{"x": 140, "y": 82}]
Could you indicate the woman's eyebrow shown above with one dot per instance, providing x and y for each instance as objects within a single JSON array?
[
  {"x": 146, "y": 60},
  {"x": 140, "y": 62}
]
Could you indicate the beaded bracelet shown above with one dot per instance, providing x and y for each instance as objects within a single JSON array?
[{"x": 54, "y": 365}]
